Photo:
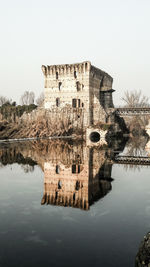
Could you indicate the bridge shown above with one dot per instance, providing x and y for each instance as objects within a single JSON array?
[
  {"x": 132, "y": 111},
  {"x": 132, "y": 160}
]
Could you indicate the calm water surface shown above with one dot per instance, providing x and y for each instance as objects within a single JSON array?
[{"x": 93, "y": 212}]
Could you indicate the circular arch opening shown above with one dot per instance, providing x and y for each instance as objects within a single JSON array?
[{"x": 94, "y": 137}]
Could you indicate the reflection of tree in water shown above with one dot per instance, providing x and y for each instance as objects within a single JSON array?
[
  {"x": 10, "y": 154},
  {"x": 74, "y": 175},
  {"x": 27, "y": 168},
  {"x": 134, "y": 167},
  {"x": 136, "y": 146}
]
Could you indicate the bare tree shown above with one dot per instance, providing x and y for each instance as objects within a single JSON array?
[
  {"x": 135, "y": 99},
  {"x": 31, "y": 97},
  {"x": 4, "y": 100},
  {"x": 40, "y": 99},
  {"x": 27, "y": 98}
]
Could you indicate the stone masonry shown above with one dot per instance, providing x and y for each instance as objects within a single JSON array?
[{"x": 82, "y": 88}]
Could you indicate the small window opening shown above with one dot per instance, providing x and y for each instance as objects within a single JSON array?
[
  {"x": 57, "y": 102},
  {"x": 78, "y": 86},
  {"x": 77, "y": 185},
  {"x": 57, "y": 169},
  {"x": 74, "y": 103},
  {"x": 86, "y": 66},
  {"x": 74, "y": 196},
  {"x": 75, "y": 74},
  {"x": 79, "y": 103},
  {"x": 78, "y": 168},
  {"x": 73, "y": 168},
  {"x": 59, "y": 184},
  {"x": 82, "y": 105},
  {"x": 56, "y": 75},
  {"x": 107, "y": 119},
  {"x": 56, "y": 195},
  {"x": 59, "y": 85}
]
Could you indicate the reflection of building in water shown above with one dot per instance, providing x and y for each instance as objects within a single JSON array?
[{"x": 78, "y": 179}]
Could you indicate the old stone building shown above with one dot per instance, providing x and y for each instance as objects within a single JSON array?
[{"x": 83, "y": 89}]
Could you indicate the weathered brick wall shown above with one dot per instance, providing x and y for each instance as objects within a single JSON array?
[
  {"x": 79, "y": 85},
  {"x": 64, "y": 83}
]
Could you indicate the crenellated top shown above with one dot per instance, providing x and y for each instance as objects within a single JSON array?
[{"x": 66, "y": 69}]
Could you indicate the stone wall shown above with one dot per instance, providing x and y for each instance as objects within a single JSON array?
[
  {"x": 67, "y": 85},
  {"x": 100, "y": 83},
  {"x": 79, "y": 86}
]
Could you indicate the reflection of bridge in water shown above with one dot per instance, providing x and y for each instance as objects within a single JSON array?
[{"x": 74, "y": 175}]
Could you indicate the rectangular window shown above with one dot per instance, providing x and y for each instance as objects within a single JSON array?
[
  {"x": 78, "y": 168},
  {"x": 59, "y": 85},
  {"x": 57, "y": 102},
  {"x": 74, "y": 103},
  {"x": 79, "y": 103},
  {"x": 57, "y": 169},
  {"x": 73, "y": 168}
]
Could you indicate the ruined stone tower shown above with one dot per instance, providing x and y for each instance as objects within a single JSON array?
[{"x": 79, "y": 86}]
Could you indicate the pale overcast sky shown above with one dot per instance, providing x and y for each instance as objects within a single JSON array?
[{"x": 113, "y": 34}]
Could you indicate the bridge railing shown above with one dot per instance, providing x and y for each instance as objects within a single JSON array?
[{"x": 133, "y": 111}]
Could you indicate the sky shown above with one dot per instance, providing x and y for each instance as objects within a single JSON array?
[{"x": 113, "y": 34}]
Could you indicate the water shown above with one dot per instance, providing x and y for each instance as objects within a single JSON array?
[{"x": 98, "y": 216}]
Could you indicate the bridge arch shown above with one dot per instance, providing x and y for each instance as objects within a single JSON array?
[{"x": 95, "y": 137}]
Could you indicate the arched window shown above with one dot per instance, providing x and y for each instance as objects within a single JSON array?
[{"x": 56, "y": 75}]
